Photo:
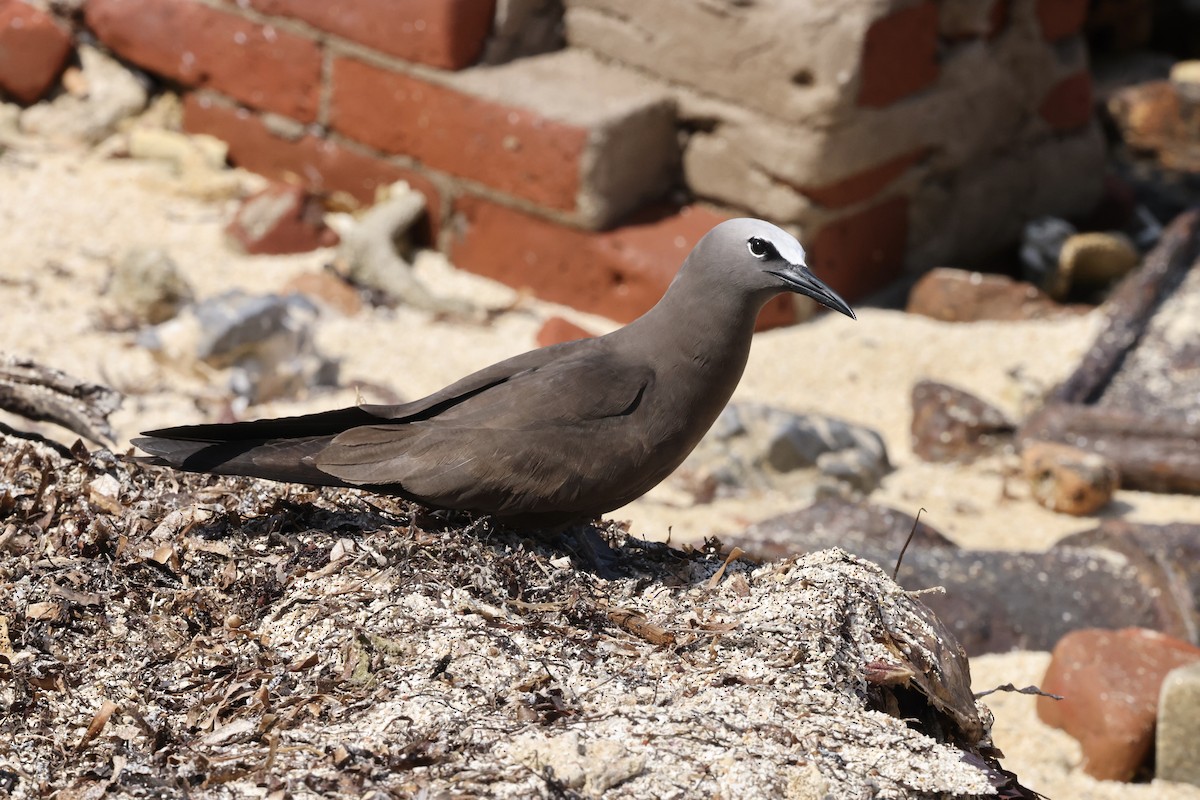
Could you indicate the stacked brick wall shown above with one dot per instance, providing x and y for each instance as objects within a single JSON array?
[{"x": 580, "y": 147}]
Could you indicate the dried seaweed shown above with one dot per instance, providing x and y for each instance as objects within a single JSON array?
[{"x": 167, "y": 635}]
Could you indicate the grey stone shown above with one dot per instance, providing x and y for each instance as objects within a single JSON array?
[
  {"x": 1041, "y": 244},
  {"x": 1177, "y": 737},
  {"x": 754, "y": 447},
  {"x": 264, "y": 341},
  {"x": 113, "y": 94}
]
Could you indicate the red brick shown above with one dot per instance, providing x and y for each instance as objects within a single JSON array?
[
  {"x": 448, "y": 34},
  {"x": 259, "y": 65},
  {"x": 1110, "y": 682},
  {"x": 280, "y": 219},
  {"x": 34, "y": 49},
  {"x": 557, "y": 330},
  {"x": 1061, "y": 18},
  {"x": 619, "y": 274},
  {"x": 863, "y": 185},
  {"x": 1068, "y": 105},
  {"x": 861, "y": 253},
  {"x": 319, "y": 164},
  {"x": 510, "y": 149},
  {"x": 899, "y": 55}
]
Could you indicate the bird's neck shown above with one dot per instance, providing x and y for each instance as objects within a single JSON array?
[{"x": 701, "y": 331}]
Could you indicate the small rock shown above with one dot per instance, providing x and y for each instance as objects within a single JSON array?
[
  {"x": 280, "y": 219},
  {"x": 1110, "y": 682},
  {"x": 265, "y": 341},
  {"x": 106, "y": 93},
  {"x": 1041, "y": 247},
  {"x": 557, "y": 330},
  {"x": 758, "y": 447},
  {"x": 1091, "y": 261},
  {"x": 1146, "y": 115},
  {"x": 328, "y": 289},
  {"x": 34, "y": 48},
  {"x": 147, "y": 286},
  {"x": 1177, "y": 738},
  {"x": 957, "y": 295},
  {"x": 949, "y": 424},
  {"x": 1069, "y": 480}
]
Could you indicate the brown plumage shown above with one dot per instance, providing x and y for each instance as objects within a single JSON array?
[{"x": 551, "y": 436}]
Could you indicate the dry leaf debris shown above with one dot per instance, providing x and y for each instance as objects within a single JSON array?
[{"x": 165, "y": 634}]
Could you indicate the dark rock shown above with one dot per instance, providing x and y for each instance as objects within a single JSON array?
[
  {"x": 1041, "y": 245},
  {"x": 1110, "y": 683},
  {"x": 957, "y": 295},
  {"x": 1167, "y": 560},
  {"x": 1069, "y": 480},
  {"x": 995, "y": 601},
  {"x": 949, "y": 424}
]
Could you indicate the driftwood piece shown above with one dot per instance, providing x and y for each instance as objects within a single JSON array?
[
  {"x": 1130, "y": 308},
  {"x": 42, "y": 394},
  {"x": 1155, "y": 448}
]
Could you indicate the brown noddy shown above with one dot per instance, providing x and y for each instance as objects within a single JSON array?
[{"x": 552, "y": 436}]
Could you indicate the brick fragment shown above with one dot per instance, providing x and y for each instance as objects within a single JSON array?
[
  {"x": 280, "y": 219},
  {"x": 34, "y": 49},
  {"x": 448, "y": 34},
  {"x": 619, "y": 274},
  {"x": 260, "y": 65},
  {"x": 899, "y": 55},
  {"x": 1110, "y": 683}
]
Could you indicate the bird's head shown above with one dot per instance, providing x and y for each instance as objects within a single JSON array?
[{"x": 765, "y": 259}]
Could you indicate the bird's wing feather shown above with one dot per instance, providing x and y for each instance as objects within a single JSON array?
[{"x": 518, "y": 433}]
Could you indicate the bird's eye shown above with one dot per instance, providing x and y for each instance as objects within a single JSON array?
[{"x": 760, "y": 248}]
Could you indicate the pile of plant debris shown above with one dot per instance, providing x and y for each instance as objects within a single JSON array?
[{"x": 165, "y": 634}]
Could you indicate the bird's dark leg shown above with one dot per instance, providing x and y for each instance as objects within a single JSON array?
[{"x": 591, "y": 552}]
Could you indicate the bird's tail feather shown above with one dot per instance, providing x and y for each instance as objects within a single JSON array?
[{"x": 273, "y": 459}]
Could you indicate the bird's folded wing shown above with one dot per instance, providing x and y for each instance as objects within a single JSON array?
[{"x": 525, "y": 422}]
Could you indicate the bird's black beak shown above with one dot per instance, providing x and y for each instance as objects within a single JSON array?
[{"x": 799, "y": 279}]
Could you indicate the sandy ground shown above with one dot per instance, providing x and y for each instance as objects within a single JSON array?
[{"x": 66, "y": 216}]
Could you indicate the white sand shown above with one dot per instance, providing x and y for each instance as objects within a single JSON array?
[{"x": 67, "y": 216}]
